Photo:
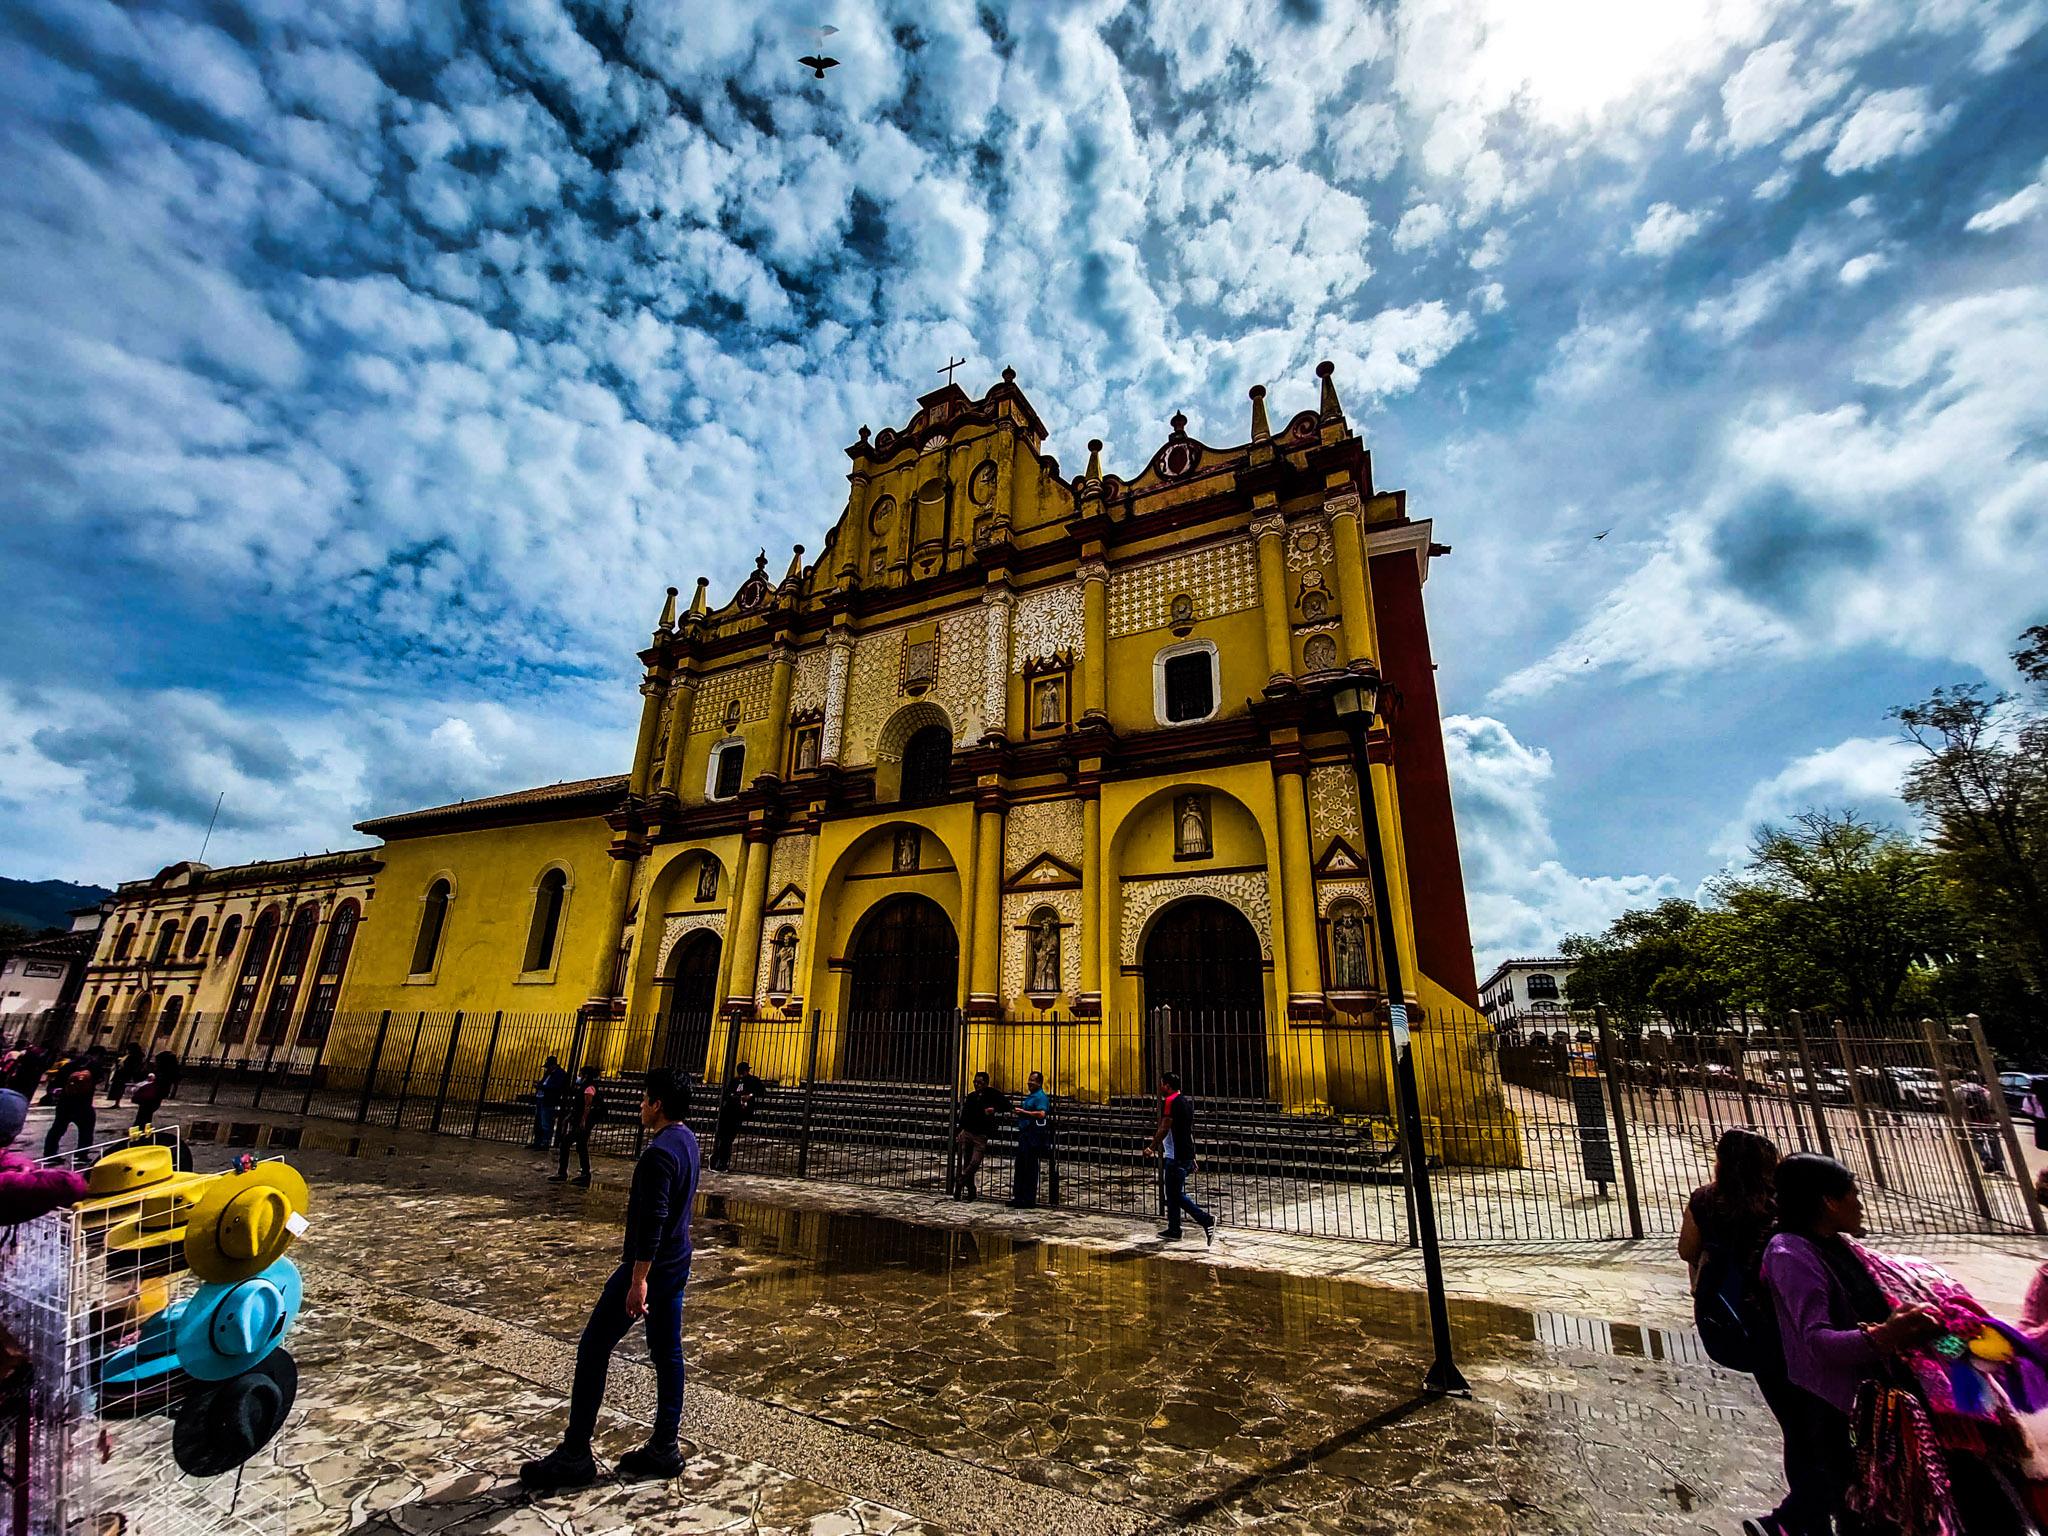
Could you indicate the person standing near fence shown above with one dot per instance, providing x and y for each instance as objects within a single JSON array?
[
  {"x": 1983, "y": 1118},
  {"x": 979, "y": 1113},
  {"x": 74, "y": 1098},
  {"x": 1034, "y": 1141},
  {"x": 131, "y": 1068},
  {"x": 735, "y": 1109},
  {"x": 548, "y": 1093},
  {"x": 648, "y": 1283},
  {"x": 584, "y": 1114},
  {"x": 1173, "y": 1141}
]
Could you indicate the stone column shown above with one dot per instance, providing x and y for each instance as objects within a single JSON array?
[
  {"x": 618, "y": 896},
  {"x": 838, "y": 668},
  {"x": 1297, "y": 891},
  {"x": 781, "y": 670},
  {"x": 984, "y": 991},
  {"x": 745, "y": 928},
  {"x": 1088, "y": 1001},
  {"x": 1354, "y": 596},
  {"x": 684, "y": 687},
  {"x": 1094, "y": 574},
  {"x": 1270, "y": 529},
  {"x": 995, "y": 662},
  {"x": 651, "y": 692}
]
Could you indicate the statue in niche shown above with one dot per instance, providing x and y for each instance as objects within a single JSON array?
[
  {"x": 1045, "y": 951},
  {"x": 907, "y": 849},
  {"x": 1320, "y": 653},
  {"x": 1191, "y": 828},
  {"x": 782, "y": 965},
  {"x": 1051, "y": 706},
  {"x": 732, "y": 713},
  {"x": 806, "y": 751},
  {"x": 1347, "y": 948},
  {"x": 1315, "y": 606},
  {"x": 707, "y": 881}
]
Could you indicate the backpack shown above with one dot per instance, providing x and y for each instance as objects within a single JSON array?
[{"x": 1724, "y": 1311}]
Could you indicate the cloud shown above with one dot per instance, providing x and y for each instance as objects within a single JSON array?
[
  {"x": 1522, "y": 899},
  {"x": 1768, "y": 96},
  {"x": 1884, "y": 126},
  {"x": 1421, "y": 227},
  {"x": 2023, "y": 205},
  {"x": 1858, "y": 270},
  {"x": 1664, "y": 229},
  {"x": 1861, "y": 774}
]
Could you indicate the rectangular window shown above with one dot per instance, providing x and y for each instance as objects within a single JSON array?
[
  {"x": 732, "y": 762},
  {"x": 1190, "y": 686}
]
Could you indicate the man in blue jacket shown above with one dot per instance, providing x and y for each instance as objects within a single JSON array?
[{"x": 648, "y": 1283}]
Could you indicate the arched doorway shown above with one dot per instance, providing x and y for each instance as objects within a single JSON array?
[
  {"x": 692, "y": 1004},
  {"x": 905, "y": 983},
  {"x": 1205, "y": 1000}
]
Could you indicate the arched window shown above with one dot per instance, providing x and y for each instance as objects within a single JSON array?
[
  {"x": 255, "y": 961},
  {"x": 230, "y": 934},
  {"x": 1184, "y": 683},
  {"x": 546, "y": 925},
  {"x": 426, "y": 949},
  {"x": 166, "y": 940},
  {"x": 124, "y": 943},
  {"x": 341, "y": 937},
  {"x": 167, "y": 1021},
  {"x": 291, "y": 974},
  {"x": 99, "y": 1012},
  {"x": 927, "y": 757},
  {"x": 728, "y": 763},
  {"x": 1542, "y": 987},
  {"x": 138, "y": 1015},
  {"x": 195, "y": 939}
]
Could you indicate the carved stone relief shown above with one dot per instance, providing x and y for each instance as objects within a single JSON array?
[
  {"x": 1333, "y": 804},
  {"x": 1246, "y": 892},
  {"x": 788, "y": 865},
  {"x": 1041, "y": 826},
  {"x": 1017, "y": 939},
  {"x": 1047, "y": 621},
  {"x": 1223, "y": 578},
  {"x": 677, "y": 925},
  {"x": 807, "y": 682},
  {"x": 744, "y": 687}
]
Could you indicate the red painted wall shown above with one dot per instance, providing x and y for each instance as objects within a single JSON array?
[{"x": 1436, "y": 881}]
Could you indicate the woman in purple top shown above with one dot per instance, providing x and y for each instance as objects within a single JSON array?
[{"x": 1837, "y": 1331}]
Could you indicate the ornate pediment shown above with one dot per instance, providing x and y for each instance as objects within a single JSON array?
[
  {"x": 790, "y": 899},
  {"x": 1340, "y": 858},
  {"x": 1045, "y": 873}
]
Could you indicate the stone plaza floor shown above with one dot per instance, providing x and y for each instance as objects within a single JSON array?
[{"x": 867, "y": 1362}]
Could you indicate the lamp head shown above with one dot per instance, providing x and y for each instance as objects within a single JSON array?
[{"x": 1356, "y": 699}]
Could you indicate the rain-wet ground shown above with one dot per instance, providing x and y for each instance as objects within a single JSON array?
[{"x": 852, "y": 1372}]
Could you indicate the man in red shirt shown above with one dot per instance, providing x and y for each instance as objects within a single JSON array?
[{"x": 585, "y": 1110}]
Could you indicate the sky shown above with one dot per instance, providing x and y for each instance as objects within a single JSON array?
[{"x": 368, "y": 368}]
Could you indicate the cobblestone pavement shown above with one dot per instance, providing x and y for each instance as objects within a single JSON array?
[{"x": 868, "y": 1361}]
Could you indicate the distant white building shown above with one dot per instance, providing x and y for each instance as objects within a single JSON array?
[
  {"x": 42, "y": 976},
  {"x": 1526, "y": 994}
]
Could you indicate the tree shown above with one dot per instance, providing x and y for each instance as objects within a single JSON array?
[
  {"x": 1983, "y": 787},
  {"x": 1858, "y": 908},
  {"x": 1650, "y": 964}
]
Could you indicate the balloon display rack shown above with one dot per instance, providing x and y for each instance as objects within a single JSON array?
[{"x": 98, "y": 1446}]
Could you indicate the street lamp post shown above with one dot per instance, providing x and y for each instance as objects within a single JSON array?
[{"x": 1356, "y": 701}]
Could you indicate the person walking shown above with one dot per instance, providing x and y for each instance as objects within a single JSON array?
[
  {"x": 1173, "y": 1141},
  {"x": 1982, "y": 1116},
  {"x": 131, "y": 1068},
  {"x": 653, "y": 1269},
  {"x": 980, "y": 1112},
  {"x": 1034, "y": 1141},
  {"x": 585, "y": 1111},
  {"x": 151, "y": 1092},
  {"x": 2037, "y": 1108},
  {"x": 74, "y": 1091},
  {"x": 548, "y": 1093},
  {"x": 735, "y": 1109}
]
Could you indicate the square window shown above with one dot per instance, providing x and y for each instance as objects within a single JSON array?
[
  {"x": 732, "y": 762},
  {"x": 1190, "y": 686}
]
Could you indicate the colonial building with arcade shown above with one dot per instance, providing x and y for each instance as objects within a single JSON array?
[{"x": 1013, "y": 746}]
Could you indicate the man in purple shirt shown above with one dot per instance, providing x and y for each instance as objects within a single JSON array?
[{"x": 648, "y": 1283}]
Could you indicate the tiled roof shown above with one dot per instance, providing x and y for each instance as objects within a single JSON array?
[{"x": 547, "y": 800}]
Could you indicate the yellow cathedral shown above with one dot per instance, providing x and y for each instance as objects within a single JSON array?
[{"x": 1031, "y": 751}]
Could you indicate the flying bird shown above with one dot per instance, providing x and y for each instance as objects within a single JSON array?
[
  {"x": 817, "y": 61},
  {"x": 1602, "y": 534}
]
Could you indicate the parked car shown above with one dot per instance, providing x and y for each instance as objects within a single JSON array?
[
  {"x": 1830, "y": 1084},
  {"x": 1901, "y": 1087},
  {"x": 2017, "y": 1086}
]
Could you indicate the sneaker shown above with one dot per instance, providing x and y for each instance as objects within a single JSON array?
[
  {"x": 1169, "y": 1235},
  {"x": 558, "y": 1178},
  {"x": 1209, "y": 1235},
  {"x": 651, "y": 1464},
  {"x": 560, "y": 1468}
]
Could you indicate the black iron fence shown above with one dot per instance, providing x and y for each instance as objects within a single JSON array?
[{"x": 1568, "y": 1133}]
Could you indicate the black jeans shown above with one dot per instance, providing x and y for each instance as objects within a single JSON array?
[
  {"x": 721, "y": 1144},
  {"x": 577, "y": 1136},
  {"x": 80, "y": 1115},
  {"x": 1031, "y": 1152},
  {"x": 1176, "y": 1176},
  {"x": 1820, "y": 1462},
  {"x": 608, "y": 1324}
]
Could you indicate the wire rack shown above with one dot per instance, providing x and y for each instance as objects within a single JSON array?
[{"x": 82, "y": 1460}]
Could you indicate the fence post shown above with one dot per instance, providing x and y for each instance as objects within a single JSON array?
[
  {"x": 1620, "y": 1110},
  {"x": 370, "y": 1075},
  {"x": 1842, "y": 1043},
  {"x": 2016, "y": 1160},
  {"x": 447, "y": 1071},
  {"x": 483, "y": 1089},
  {"x": 313, "y": 1072},
  {"x": 803, "y": 1139},
  {"x": 1937, "y": 1052},
  {"x": 405, "y": 1082},
  {"x": 576, "y": 1045},
  {"x": 256, "y": 1102},
  {"x": 1820, "y": 1119},
  {"x": 953, "y": 1115}
]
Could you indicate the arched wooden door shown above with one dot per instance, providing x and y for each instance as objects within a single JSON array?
[
  {"x": 904, "y": 986},
  {"x": 1205, "y": 1000},
  {"x": 692, "y": 1004}
]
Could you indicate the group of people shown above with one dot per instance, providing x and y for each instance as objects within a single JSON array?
[
  {"x": 1904, "y": 1405},
  {"x": 69, "y": 1082},
  {"x": 567, "y": 1113}
]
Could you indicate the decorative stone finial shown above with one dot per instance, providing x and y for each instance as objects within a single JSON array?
[
  {"x": 1009, "y": 375},
  {"x": 700, "y": 604},
  {"x": 667, "y": 620},
  {"x": 1260, "y": 430},
  {"x": 796, "y": 565},
  {"x": 1180, "y": 423},
  {"x": 1094, "y": 470},
  {"x": 863, "y": 431},
  {"x": 1330, "y": 410}
]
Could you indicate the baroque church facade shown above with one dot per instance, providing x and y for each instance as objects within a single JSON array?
[{"x": 1043, "y": 753}]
